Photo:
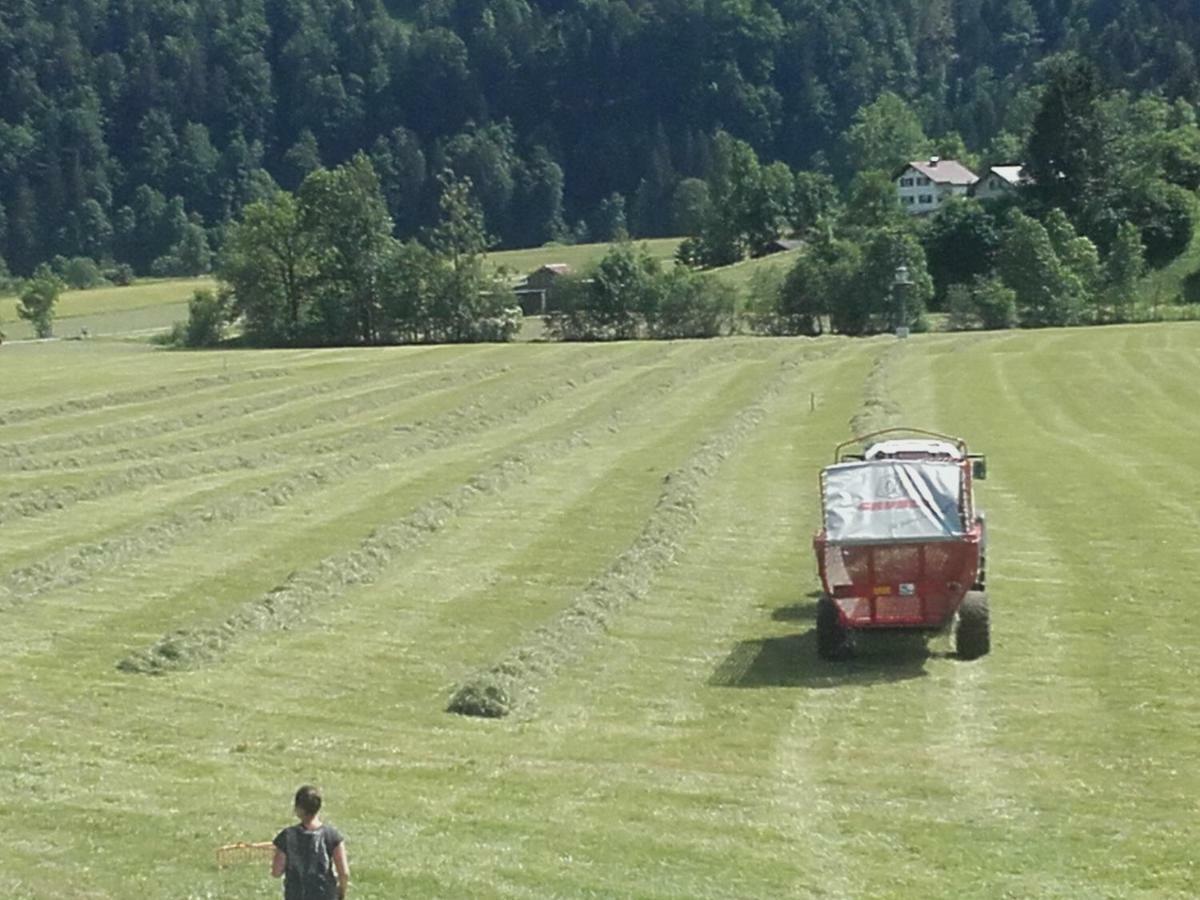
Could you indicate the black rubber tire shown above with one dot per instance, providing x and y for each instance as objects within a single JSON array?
[
  {"x": 981, "y": 576},
  {"x": 831, "y": 634},
  {"x": 972, "y": 638}
]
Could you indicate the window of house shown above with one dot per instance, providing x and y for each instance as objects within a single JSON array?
[
  {"x": 922, "y": 181},
  {"x": 907, "y": 201},
  {"x": 906, "y": 182},
  {"x": 926, "y": 198}
]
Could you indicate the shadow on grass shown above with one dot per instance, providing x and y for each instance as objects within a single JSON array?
[
  {"x": 792, "y": 660},
  {"x": 798, "y": 612}
]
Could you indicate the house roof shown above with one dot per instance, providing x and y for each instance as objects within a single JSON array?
[
  {"x": 785, "y": 244},
  {"x": 942, "y": 171},
  {"x": 1014, "y": 175}
]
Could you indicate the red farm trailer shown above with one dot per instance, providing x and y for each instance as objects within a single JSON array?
[{"x": 902, "y": 546}]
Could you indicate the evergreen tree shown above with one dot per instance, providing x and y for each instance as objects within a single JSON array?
[
  {"x": 302, "y": 159},
  {"x": 610, "y": 223},
  {"x": 537, "y": 206},
  {"x": 1066, "y": 156},
  {"x": 1124, "y": 267},
  {"x": 690, "y": 206}
]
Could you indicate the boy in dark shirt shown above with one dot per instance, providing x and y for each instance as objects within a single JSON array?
[{"x": 311, "y": 856}]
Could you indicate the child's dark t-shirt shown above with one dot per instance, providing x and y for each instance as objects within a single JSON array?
[{"x": 309, "y": 874}]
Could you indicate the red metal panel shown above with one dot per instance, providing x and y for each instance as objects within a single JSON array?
[{"x": 918, "y": 584}]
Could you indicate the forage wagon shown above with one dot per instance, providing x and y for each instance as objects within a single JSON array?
[{"x": 902, "y": 545}]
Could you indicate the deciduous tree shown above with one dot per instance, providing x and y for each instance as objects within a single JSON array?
[
  {"x": 37, "y": 300},
  {"x": 344, "y": 217},
  {"x": 885, "y": 134},
  {"x": 271, "y": 262}
]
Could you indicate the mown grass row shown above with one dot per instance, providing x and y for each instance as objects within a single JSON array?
[
  {"x": 303, "y": 426},
  {"x": 106, "y": 401},
  {"x": 131, "y": 431},
  {"x": 383, "y": 444},
  {"x": 510, "y": 682},
  {"x": 288, "y": 603}
]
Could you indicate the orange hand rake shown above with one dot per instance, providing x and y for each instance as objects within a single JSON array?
[{"x": 243, "y": 852}]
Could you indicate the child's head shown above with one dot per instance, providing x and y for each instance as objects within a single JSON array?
[{"x": 308, "y": 801}]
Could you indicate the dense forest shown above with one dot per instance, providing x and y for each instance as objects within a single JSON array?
[{"x": 135, "y": 131}]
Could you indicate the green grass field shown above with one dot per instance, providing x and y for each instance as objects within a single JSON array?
[
  {"x": 313, "y": 549},
  {"x": 153, "y": 304}
]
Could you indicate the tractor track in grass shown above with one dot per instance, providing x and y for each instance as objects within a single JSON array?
[
  {"x": 512, "y": 682},
  {"x": 76, "y": 564},
  {"x": 962, "y": 732},
  {"x": 291, "y": 601},
  {"x": 718, "y": 625}
]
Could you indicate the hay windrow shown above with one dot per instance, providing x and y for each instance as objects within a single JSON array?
[
  {"x": 287, "y": 604},
  {"x": 75, "y": 565},
  {"x": 47, "y": 500},
  {"x": 122, "y": 441},
  {"x": 879, "y": 409},
  {"x": 514, "y": 680},
  {"x": 478, "y": 414},
  {"x": 141, "y": 395}
]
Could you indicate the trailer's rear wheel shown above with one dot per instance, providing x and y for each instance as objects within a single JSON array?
[
  {"x": 831, "y": 634},
  {"x": 973, "y": 638}
]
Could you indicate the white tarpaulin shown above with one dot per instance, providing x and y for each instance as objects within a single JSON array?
[{"x": 892, "y": 500}]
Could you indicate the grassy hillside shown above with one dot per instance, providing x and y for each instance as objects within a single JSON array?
[
  {"x": 313, "y": 549},
  {"x": 740, "y": 273},
  {"x": 1166, "y": 285},
  {"x": 578, "y": 256}
]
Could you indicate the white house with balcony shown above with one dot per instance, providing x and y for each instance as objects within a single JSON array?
[{"x": 923, "y": 186}]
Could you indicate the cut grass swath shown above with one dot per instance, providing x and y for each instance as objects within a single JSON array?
[
  {"x": 512, "y": 681},
  {"x": 879, "y": 409},
  {"x": 378, "y": 444},
  {"x": 291, "y": 601}
]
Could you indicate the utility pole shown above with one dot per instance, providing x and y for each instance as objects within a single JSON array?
[{"x": 900, "y": 284}]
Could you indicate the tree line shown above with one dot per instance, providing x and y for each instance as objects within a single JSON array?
[
  {"x": 133, "y": 133},
  {"x": 322, "y": 266}
]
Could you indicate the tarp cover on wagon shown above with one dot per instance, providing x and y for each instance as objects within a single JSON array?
[{"x": 893, "y": 500}]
